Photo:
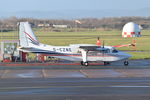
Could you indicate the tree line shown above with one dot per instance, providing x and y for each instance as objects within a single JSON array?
[{"x": 10, "y": 24}]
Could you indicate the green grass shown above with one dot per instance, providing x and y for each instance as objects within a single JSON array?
[
  {"x": 140, "y": 55},
  {"x": 112, "y": 37}
]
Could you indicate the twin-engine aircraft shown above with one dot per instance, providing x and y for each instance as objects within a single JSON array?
[{"x": 84, "y": 53}]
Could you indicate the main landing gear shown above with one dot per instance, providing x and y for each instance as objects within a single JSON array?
[{"x": 84, "y": 63}]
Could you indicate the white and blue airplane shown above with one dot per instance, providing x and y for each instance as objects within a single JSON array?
[{"x": 84, "y": 53}]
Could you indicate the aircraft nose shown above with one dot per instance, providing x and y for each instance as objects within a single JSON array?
[
  {"x": 127, "y": 55},
  {"x": 124, "y": 55}
]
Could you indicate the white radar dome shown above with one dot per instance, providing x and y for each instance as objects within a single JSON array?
[{"x": 131, "y": 30}]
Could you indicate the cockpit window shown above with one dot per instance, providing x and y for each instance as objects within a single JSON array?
[{"x": 114, "y": 51}]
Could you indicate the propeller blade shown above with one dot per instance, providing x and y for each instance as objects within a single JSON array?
[{"x": 103, "y": 44}]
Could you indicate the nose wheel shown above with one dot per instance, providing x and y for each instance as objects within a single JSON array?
[{"x": 126, "y": 63}]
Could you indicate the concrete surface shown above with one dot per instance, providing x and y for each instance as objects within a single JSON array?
[
  {"x": 75, "y": 89},
  {"x": 75, "y": 82},
  {"x": 81, "y": 73}
]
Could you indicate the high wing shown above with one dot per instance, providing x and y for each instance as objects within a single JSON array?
[
  {"x": 117, "y": 46},
  {"x": 89, "y": 48},
  {"x": 126, "y": 45},
  {"x": 85, "y": 49},
  {"x": 93, "y": 48}
]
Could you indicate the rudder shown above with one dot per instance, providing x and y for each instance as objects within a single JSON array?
[{"x": 26, "y": 35}]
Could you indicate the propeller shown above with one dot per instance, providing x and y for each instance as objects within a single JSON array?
[
  {"x": 103, "y": 47},
  {"x": 98, "y": 43}
]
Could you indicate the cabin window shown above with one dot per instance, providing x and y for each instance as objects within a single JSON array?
[{"x": 105, "y": 51}]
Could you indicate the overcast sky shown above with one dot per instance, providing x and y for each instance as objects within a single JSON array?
[
  {"x": 52, "y": 5},
  {"x": 73, "y": 8}
]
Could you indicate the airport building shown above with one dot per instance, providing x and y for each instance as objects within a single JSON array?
[{"x": 9, "y": 53}]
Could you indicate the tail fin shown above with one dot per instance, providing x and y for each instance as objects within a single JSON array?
[{"x": 26, "y": 35}]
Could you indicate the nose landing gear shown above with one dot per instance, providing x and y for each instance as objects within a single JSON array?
[{"x": 126, "y": 63}]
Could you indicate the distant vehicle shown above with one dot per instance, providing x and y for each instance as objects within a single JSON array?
[{"x": 84, "y": 53}]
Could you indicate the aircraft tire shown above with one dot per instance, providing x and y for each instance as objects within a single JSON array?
[
  {"x": 85, "y": 63},
  {"x": 106, "y": 63},
  {"x": 126, "y": 63},
  {"x": 82, "y": 63}
]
